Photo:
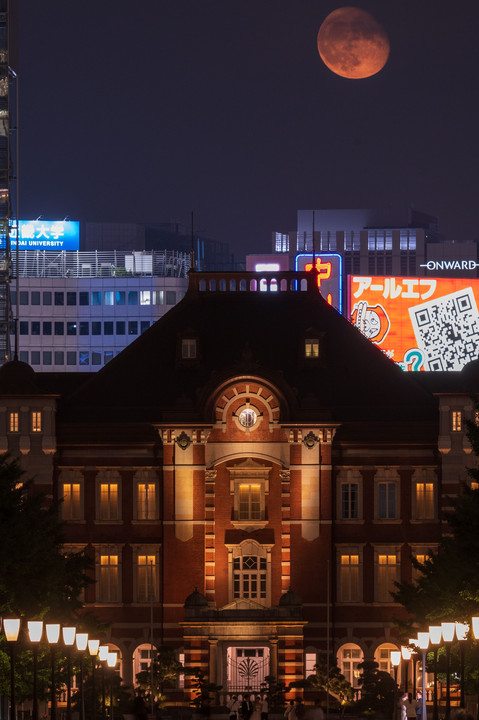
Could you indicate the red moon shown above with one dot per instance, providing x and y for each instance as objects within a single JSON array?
[{"x": 352, "y": 43}]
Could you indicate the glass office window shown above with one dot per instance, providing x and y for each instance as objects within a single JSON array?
[
  {"x": 96, "y": 327},
  {"x": 35, "y": 327},
  {"x": 47, "y": 297},
  {"x": 71, "y": 298},
  {"x": 84, "y": 328},
  {"x": 71, "y": 328},
  {"x": 59, "y": 298},
  {"x": 120, "y": 327},
  {"x": 47, "y": 327},
  {"x": 108, "y": 327},
  {"x": 132, "y": 327},
  {"x": 59, "y": 328},
  {"x": 35, "y": 297},
  {"x": 83, "y": 298},
  {"x": 132, "y": 297}
]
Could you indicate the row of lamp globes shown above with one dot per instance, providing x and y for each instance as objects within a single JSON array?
[
  {"x": 71, "y": 638},
  {"x": 436, "y": 635}
]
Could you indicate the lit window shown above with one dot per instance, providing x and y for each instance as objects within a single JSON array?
[
  {"x": 387, "y": 567},
  {"x": 311, "y": 348},
  {"x": 349, "y": 578},
  {"x": 188, "y": 348},
  {"x": 109, "y": 578},
  {"x": 421, "y": 556},
  {"x": 109, "y": 297},
  {"x": 36, "y": 421},
  {"x": 146, "y": 501},
  {"x": 424, "y": 501},
  {"x": 145, "y": 297},
  {"x": 249, "y": 577},
  {"x": 71, "y": 506},
  {"x": 146, "y": 578},
  {"x": 456, "y": 421},
  {"x": 349, "y": 659},
  {"x": 309, "y": 664},
  {"x": 108, "y": 501},
  {"x": 13, "y": 420},
  {"x": 249, "y": 502}
]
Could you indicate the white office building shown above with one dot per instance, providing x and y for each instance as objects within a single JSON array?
[{"x": 76, "y": 310}]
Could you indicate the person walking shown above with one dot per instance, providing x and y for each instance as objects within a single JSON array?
[{"x": 409, "y": 706}]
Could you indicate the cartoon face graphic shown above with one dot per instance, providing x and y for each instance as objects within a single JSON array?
[{"x": 371, "y": 320}]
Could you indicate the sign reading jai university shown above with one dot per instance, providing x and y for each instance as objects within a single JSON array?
[
  {"x": 46, "y": 235},
  {"x": 420, "y": 323}
]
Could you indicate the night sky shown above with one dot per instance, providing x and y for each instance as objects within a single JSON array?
[{"x": 147, "y": 110}]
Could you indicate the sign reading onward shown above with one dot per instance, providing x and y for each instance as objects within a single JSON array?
[
  {"x": 46, "y": 235},
  {"x": 421, "y": 323},
  {"x": 450, "y": 265}
]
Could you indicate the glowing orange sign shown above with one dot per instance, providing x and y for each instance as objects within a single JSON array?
[{"x": 421, "y": 323}]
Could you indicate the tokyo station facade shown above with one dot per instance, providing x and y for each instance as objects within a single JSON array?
[{"x": 250, "y": 477}]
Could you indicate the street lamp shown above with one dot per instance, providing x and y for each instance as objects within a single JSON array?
[
  {"x": 395, "y": 656},
  {"x": 102, "y": 656},
  {"x": 35, "y": 632},
  {"x": 435, "y": 635},
  {"x": 423, "y": 643},
  {"x": 53, "y": 633},
  {"x": 406, "y": 653},
  {"x": 11, "y": 628},
  {"x": 68, "y": 640},
  {"x": 93, "y": 646},
  {"x": 111, "y": 662},
  {"x": 81, "y": 641},
  {"x": 448, "y": 630}
]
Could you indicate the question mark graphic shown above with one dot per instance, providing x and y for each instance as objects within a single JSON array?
[{"x": 413, "y": 357}]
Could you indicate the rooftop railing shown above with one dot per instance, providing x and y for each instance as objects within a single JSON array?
[{"x": 100, "y": 264}]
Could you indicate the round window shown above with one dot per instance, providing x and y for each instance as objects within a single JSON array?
[{"x": 247, "y": 417}]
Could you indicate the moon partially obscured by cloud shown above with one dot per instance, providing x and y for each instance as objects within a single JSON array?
[{"x": 352, "y": 43}]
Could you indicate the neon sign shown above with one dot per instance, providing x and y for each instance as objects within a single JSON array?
[
  {"x": 329, "y": 269},
  {"x": 46, "y": 235},
  {"x": 420, "y": 323}
]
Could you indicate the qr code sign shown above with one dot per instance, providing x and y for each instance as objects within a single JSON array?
[{"x": 447, "y": 330}]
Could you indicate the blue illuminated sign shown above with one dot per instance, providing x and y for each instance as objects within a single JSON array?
[
  {"x": 329, "y": 268},
  {"x": 46, "y": 235}
]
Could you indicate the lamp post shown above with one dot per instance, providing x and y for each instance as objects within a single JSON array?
[
  {"x": 93, "y": 646},
  {"x": 435, "y": 636},
  {"x": 35, "y": 632},
  {"x": 395, "y": 660},
  {"x": 413, "y": 643},
  {"x": 102, "y": 656},
  {"x": 448, "y": 630},
  {"x": 111, "y": 662},
  {"x": 406, "y": 653},
  {"x": 81, "y": 641},
  {"x": 462, "y": 630},
  {"x": 68, "y": 640},
  {"x": 11, "y": 628},
  {"x": 53, "y": 633},
  {"x": 423, "y": 643}
]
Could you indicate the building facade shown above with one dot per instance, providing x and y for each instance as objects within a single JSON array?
[
  {"x": 250, "y": 478},
  {"x": 78, "y": 310}
]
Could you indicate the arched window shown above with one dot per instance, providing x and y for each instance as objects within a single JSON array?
[
  {"x": 250, "y": 572},
  {"x": 349, "y": 658}
]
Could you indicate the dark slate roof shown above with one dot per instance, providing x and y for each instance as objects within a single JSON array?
[{"x": 251, "y": 334}]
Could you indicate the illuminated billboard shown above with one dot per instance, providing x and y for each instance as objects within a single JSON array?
[
  {"x": 46, "y": 235},
  {"x": 420, "y": 323},
  {"x": 330, "y": 272}
]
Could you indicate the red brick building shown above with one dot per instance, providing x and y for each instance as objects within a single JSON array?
[{"x": 250, "y": 476}]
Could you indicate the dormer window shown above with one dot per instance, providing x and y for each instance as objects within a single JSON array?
[
  {"x": 311, "y": 348},
  {"x": 36, "y": 421},
  {"x": 188, "y": 348},
  {"x": 13, "y": 419}
]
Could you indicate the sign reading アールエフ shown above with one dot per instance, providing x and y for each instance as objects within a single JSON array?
[{"x": 420, "y": 323}]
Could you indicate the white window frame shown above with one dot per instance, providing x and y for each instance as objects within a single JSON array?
[
  {"x": 189, "y": 348},
  {"x": 108, "y": 477},
  {"x": 249, "y": 473},
  {"x": 146, "y": 576},
  {"x": 349, "y": 665},
  {"x": 382, "y": 593},
  {"x": 72, "y": 510},
  {"x": 114, "y": 595},
  {"x": 425, "y": 477},
  {"x": 387, "y": 477},
  {"x": 349, "y": 477},
  {"x": 146, "y": 478},
  {"x": 247, "y": 549},
  {"x": 344, "y": 593}
]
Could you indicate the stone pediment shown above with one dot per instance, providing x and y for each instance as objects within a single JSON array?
[{"x": 243, "y": 604}]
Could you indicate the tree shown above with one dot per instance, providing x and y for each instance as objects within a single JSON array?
[
  {"x": 377, "y": 688},
  {"x": 330, "y": 679},
  {"x": 165, "y": 672},
  {"x": 37, "y": 578}
]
